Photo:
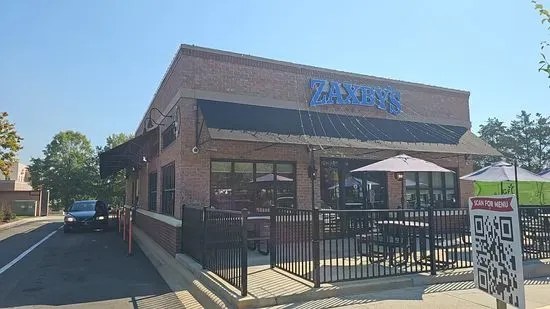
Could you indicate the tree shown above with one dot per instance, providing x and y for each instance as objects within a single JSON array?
[
  {"x": 526, "y": 140},
  {"x": 10, "y": 144},
  {"x": 541, "y": 135},
  {"x": 113, "y": 188},
  {"x": 545, "y": 15},
  {"x": 523, "y": 144},
  {"x": 495, "y": 133},
  {"x": 68, "y": 169}
]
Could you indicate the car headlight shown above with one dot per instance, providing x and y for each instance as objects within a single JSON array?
[
  {"x": 70, "y": 219},
  {"x": 101, "y": 218}
]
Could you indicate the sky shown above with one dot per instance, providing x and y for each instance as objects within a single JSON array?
[{"x": 94, "y": 66}]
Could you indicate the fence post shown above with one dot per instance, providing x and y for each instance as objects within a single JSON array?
[
  {"x": 431, "y": 236},
  {"x": 315, "y": 249},
  {"x": 244, "y": 252},
  {"x": 272, "y": 238},
  {"x": 124, "y": 224},
  {"x": 130, "y": 219},
  {"x": 182, "y": 225},
  {"x": 204, "y": 238}
]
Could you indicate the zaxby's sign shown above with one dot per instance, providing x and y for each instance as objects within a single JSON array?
[{"x": 334, "y": 92}]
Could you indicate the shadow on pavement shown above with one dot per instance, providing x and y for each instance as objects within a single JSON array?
[
  {"x": 86, "y": 267},
  {"x": 416, "y": 293}
]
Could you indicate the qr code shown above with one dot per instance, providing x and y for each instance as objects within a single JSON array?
[{"x": 497, "y": 265}]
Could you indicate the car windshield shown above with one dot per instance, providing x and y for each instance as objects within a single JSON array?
[{"x": 83, "y": 206}]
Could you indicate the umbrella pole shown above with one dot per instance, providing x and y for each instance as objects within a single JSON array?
[
  {"x": 516, "y": 179},
  {"x": 403, "y": 192}
]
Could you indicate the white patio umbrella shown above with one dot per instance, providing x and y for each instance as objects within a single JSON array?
[
  {"x": 401, "y": 164},
  {"x": 503, "y": 171},
  {"x": 545, "y": 173}
]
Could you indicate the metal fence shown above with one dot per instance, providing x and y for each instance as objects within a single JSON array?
[
  {"x": 363, "y": 244},
  {"x": 293, "y": 248},
  {"x": 535, "y": 227},
  {"x": 218, "y": 240},
  {"x": 192, "y": 232},
  {"x": 324, "y": 246}
]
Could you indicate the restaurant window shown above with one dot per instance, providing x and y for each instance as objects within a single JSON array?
[
  {"x": 285, "y": 185},
  {"x": 220, "y": 183},
  {"x": 169, "y": 135},
  {"x": 410, "y": 190},
  {"x": 424, "y": 184},
  {"x": 252, "y": 185},
  {"x": 152, "y": 203},
  {"x": 343, "y": 189},
  {"x": 330, "y": 184},
  {"x": 168, "y": 189},
  {"x": 450, "y": 189},
  {"x": 423, "y": 187}
]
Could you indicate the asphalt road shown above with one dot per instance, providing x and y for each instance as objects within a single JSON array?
[{"x": 77, "y": 270}]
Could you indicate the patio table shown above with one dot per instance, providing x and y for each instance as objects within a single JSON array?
[{"x": 421, "y": 228}]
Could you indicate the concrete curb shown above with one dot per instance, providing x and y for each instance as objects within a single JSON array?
[
  {"x": 177, "y": 278},
  {"x": 28, "y": 220},
  {"x": 212, "y": 292},
  {"x": 325, "y": 291}
]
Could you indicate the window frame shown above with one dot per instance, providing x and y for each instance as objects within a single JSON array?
[
  {"x": 152, "y": 203},
  {"x": 168, "y": 209},
  {"x": 254, "y": 173},
  {"x": 169, "y": 133},
  {"x": 443, "y": 188}
]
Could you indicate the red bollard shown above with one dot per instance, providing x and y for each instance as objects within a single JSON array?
[
  {"x": 130, "y": 234},
  {"x": 124, "y": 226}
]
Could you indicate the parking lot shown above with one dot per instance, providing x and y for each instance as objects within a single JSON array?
[{"x": 83, "y": 270}]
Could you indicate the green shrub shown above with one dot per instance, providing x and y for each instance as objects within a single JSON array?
[{"x": 6, "y": 214}]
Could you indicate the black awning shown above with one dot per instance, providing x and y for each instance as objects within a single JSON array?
[
  {"x": 253, "y": 118},
  {"x": 127, "y": 155}
]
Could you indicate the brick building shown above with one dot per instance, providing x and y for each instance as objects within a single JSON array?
[{"x": 233, "y": 131}]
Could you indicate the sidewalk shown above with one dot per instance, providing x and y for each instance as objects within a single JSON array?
[
  {"x": 273, "y": 287},
  {"x": 457, "y": 295},
  {"x": 8, "y": 225}
]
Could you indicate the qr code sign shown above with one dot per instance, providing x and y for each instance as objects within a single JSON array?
[{"x": 498, "y": 268}]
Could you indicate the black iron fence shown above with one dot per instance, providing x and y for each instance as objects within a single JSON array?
[
  {"x": 363, "y": 244},
  {"x": 192, "y": 232},
  {"x": 340, "y": 245},
  {"x": 535, "y": 227},
  {"x": 218, "y": 240},
  {"x": 293, "y": 249}
]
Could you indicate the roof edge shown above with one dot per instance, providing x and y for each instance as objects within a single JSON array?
[
  {"x": 297, "y": 65},
  {"x": 165, "y": 77}
]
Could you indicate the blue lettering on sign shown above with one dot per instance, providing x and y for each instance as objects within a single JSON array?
[{"x": 334, "y": 92}]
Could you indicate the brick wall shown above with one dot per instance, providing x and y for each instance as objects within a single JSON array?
[
  {"x": 167, "y": 236},
  {"x": 223, "y": 72},
  {"x": 7, "y": 198},
  {"x": 268, "y": 82}
]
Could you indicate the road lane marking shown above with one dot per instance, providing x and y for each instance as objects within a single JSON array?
[{"x": 22, "y": 255}]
